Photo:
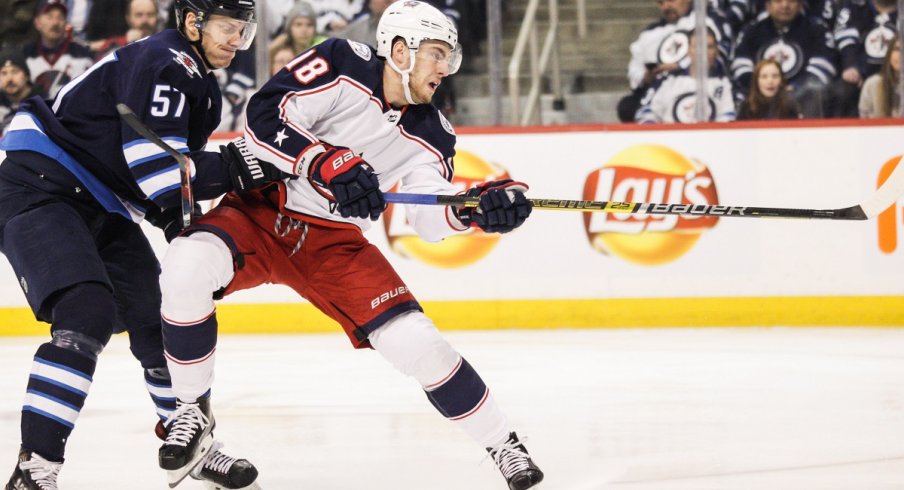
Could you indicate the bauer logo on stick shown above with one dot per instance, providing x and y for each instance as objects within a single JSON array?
[{"x": 655, "y": 174}]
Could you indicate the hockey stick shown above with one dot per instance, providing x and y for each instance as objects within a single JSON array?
[
  {"x": 879, "y": 201},
  {"x": 188, "y": 200}
]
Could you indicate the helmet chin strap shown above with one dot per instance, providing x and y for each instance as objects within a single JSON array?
[
  {"x": 405, "y": 74},
  {"x": 199, "y": 48}
]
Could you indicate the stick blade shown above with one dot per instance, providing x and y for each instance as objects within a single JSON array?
[{"x": 889, "y": 192}]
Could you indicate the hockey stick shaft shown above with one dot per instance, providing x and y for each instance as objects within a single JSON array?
[
  {"x": 852, "y": 213},
  {"x": 879, "y": 201},
  {"x": 188, "y": 201}
]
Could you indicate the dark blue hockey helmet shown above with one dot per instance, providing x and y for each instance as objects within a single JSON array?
[{"x": 242, "y": 10}]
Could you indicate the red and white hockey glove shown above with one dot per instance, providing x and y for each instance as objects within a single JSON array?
[
  {"x": 351, "y": 180},
  {"x": 502, "y": 208}
]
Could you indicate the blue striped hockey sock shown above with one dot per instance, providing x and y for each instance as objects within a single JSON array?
[
  {"x": 57, "y": 388},
  {"x": 160, "y": 387}
]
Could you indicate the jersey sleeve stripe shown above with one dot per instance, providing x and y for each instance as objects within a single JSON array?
[
  {"x": 142, "y": 151},
  {"x": 159, "y": 182},
  {"x": 439, "y": 157}
]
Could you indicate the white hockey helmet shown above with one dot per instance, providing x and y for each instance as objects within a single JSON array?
[{"x": 414, "y": 22}]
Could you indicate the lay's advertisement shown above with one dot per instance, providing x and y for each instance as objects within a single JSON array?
[{"x": 566, "y": 268}]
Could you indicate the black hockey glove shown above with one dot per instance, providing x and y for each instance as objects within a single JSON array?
[
  {"x": 246, "y": 171},
  {"x": 170, "y": 220},
  {"x": 352, "y": 182},
  {"x": 502, "y": 208}
]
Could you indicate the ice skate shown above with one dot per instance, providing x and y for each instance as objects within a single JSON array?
[
  {"x": 188, "y": 439},
  {"x": 34, "y": 473},
  {"x": 514, "y": 462},
  {"x": 222, "y": 472}
]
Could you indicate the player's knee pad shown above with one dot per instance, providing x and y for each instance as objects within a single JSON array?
[
  {"x": 194, "y": 267},
  {"x": 83, "y": 317},
  {"x": 415, "y": 347}
]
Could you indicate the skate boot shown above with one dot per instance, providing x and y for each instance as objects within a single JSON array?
[
  {"x": 515, "y": 464},
  {"x": 222, "y": 472},
  {"x": 188, "y": 439},
  {"x": 34, "y": 473}
]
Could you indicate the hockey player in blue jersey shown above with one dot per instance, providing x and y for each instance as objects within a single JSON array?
[
  {"x": 351, "y": 123},
  {"x": 74, "y": 186}
]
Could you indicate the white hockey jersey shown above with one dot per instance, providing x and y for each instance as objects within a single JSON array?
[
  {"x": 673, "y": 99},
  {"x": 333, "y": 94}
]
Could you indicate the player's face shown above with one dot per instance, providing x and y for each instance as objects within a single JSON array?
[
  {"x": 783, "y": 11},
  {"x": 222, "y": 38},
  {"x": 431, "y": 67},
  {"x": 302, "y": 30},
  {"x": 13, "y": 81},
  {"x": 769, "y": 80},
  {"x": 142, "y": 16},
  {"x": 51, "y": 25}
]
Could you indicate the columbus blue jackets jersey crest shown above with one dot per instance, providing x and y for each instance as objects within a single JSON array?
[{"x": 160, "y": 80}]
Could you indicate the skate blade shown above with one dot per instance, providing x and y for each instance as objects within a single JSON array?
[
  {"x": 209, "y": 485},
  {"x": 175, "y": 477}
]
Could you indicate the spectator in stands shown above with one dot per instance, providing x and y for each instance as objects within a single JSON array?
[
  {"x": 300, "y": 29},
  {"x": 16, "y": 22},
  {"x": 864, "y": 30},
  {"x": 662, "y": 48},
  {"x": 881, "y": 95},
  {"x": 743, "y": 12},
  {"x": 334, "y": 15},
  {"x": 141, "y": 18},
  {"x": 107, "y": 19},
  {"x": 55, "y": 58},
  {"x": 280, "y": 55},
  {"x": 804, "y": 49},
  {"x": 673, "y": 99},
  {"x": 768, "y": 97},
  {"x": 15, "y": 85},
  {"x": 364, "y": 28}
]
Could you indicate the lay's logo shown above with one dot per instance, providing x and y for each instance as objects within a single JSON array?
[
  {"x": 891, "y": 220},
  {"x": 649, "y": 173}
]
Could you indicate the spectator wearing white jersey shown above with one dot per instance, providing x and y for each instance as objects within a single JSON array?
[
  {"x": 662, "y": 47},
  {"x": 673, "y": 99},
  {"x": 55, "y": 58}
]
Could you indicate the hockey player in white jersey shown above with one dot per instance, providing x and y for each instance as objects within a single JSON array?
[{"x": 350, "y": 123}]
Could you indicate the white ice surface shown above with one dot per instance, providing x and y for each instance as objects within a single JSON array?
[{"x": 676, "y": 409}]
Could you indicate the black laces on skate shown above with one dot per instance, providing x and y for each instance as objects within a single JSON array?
[
  {"x": 44, "y": 473},
  {"x": 186, "y": 421},
  {"x": 510, "y": 457}
]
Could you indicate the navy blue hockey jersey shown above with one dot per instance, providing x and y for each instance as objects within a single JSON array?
[
  {"x": 863, "y": 36},
  {"x": 804, "y": 50},
  {"x": 163, "y": 81}
]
